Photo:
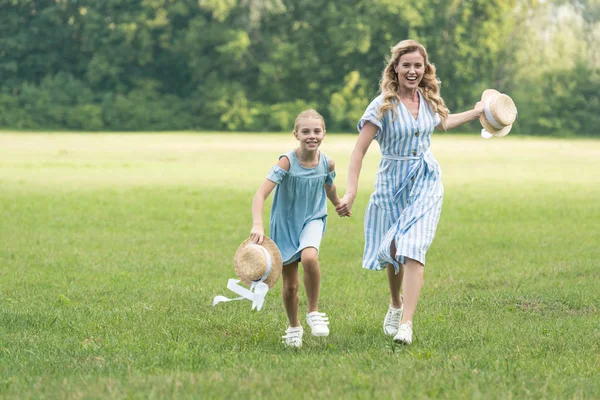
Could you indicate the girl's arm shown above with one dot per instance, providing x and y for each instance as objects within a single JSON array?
[
  {"x": 257, "y": 233},
  {"x": 331, "y": 190},
  {"x": 459, "y": 119},
  {"x": 365, "y": 137}
]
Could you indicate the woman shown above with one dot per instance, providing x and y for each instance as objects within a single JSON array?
[{"x": 403, "y": 212}]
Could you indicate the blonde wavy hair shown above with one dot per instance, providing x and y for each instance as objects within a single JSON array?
[
  {"x": 308, "y": 114},
  {"x": 429, "y": 85}
]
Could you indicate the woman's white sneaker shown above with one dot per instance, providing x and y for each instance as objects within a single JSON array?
[
  {"x": 391, "y": 323},
  {"x": 318, "y": 323},
  {"x": 405, "y": 332},
  {"x": 293, "y": 336}
]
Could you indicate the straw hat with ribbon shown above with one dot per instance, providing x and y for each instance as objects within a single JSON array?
[
  {"x": 498, "y": 115},
  {"x": 258, "y": 266}
]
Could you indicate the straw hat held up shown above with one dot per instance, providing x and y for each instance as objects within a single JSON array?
[{"x": 499, "y": 114}]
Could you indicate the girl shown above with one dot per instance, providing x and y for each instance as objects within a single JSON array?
[
  {"x": 301, "y": 179},
  {"x": 403, "y": 212}
]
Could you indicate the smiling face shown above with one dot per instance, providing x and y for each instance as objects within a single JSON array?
[
  {"x": 310, "y": 133},
  {"x": 410, "y": 69}
]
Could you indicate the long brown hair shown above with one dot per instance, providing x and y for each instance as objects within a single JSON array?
[{"x": 429, "y": 85}]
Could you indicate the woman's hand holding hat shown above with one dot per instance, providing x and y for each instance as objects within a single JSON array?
[
  {"x": 499, "y": 114},
  {"x": 479, "y": 107}
]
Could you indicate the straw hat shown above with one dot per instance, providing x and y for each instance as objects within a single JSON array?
[
  {"x": 499, "y": 114},
  {"x": 251, "y": 261}
]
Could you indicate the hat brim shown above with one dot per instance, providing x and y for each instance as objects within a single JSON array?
[
  {"x": 493, "y": 130},
  {"x": 245, "y": 273}
]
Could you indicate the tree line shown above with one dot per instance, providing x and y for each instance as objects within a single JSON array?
[{"x": 252, "y": 65}]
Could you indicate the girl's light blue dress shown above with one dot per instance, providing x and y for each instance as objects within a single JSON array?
[
  {"x": 299, "y": 210},
  {"x": 407, "y": 202}
]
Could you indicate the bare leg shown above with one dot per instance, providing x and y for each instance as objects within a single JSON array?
[
  {"x": 312, "y": 277},
  {"x": 395, "y": 284},
  {"x": 412, "y": 288},
  {"x": 395, "y": 281},
  {"x": 290, "y": 292}
]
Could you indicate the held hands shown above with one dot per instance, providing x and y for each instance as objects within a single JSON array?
[
  {"x": 344, "y": 207},
  {"x": 257, "y": 233}
]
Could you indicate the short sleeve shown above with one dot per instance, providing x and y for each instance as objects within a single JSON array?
[
  {"x": 372, "y": 114},
  {"x": 330, "y": 178},
  {"x": 436, "y": 120},
  {"x": 435, "y": 117},
  {"x": 276, "y": 174}
]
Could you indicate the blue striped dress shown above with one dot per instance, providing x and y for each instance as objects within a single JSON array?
[{"x": 406, "y": 204}]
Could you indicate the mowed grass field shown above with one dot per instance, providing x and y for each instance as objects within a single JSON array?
[{"x": 114, "y": 245}]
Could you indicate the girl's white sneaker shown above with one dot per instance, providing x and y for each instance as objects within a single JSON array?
[
  {"x": 293, "y": 336},
  {"x": 318, "y": 323},
  {"x": 405, "y": 332}
]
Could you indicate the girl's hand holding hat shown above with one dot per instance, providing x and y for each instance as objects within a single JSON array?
[{"x": 257, "y": 234}]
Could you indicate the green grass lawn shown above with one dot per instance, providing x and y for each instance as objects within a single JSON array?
[{"x": 113, "y": 247}]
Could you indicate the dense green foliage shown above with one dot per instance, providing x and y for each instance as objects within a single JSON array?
[
  {"x": 113, "y": 247},
  {"x": 253, "y": 64}
]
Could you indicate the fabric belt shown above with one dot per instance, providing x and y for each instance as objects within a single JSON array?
[
  {"x": 414, "y": 169},
  {"x": 401, "y": 158}
]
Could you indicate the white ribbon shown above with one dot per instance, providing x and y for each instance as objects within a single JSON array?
[
  {"x": 257, "y": 297},
  {"x": 489, "y": 116},
  {"x": 486, "y": 135},
  {"x": 257, "y": 291}
]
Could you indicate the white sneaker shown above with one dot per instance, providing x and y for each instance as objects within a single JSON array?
[
  {"x": 392, "y": 320},
  {"x": 318, "y": 323},
  {"x": 293, "y": 336},
  {"x": 404, "y": 335}
]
